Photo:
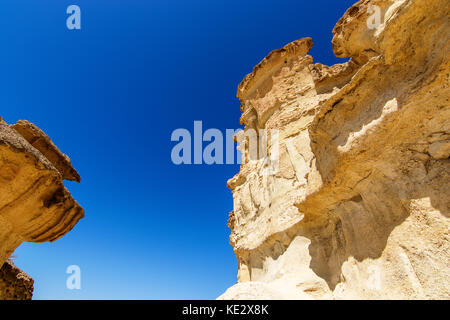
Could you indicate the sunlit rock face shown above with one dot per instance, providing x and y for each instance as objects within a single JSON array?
[
  {"x": 35, "y": 206},
  {"x": 358, "y": 207}
]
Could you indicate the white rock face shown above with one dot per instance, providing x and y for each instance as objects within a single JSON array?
[{"x": 358, "y": 206}]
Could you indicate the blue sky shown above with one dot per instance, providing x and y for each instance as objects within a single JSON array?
[{"x": 110, "y": 95}]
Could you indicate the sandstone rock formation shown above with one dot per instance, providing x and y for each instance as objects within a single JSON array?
[
  {"x": 14, "y": 283},
  {"x": 35, "y": 206},
  {"x": 359, "y": 205}
]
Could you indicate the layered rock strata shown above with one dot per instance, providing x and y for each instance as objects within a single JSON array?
[
  {"x": 358, "y": 207},
  {"x": 35, "y": 206}
]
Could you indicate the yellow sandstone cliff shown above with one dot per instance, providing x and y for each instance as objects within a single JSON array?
[
  {"x": 34, "y": 204},
  {"x": 358, "y": 207}
]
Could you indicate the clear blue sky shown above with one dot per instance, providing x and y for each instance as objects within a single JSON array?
[{"x": 110, "y": 95}]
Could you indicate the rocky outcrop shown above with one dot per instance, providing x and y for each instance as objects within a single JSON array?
[
  {"x": 14, "y": 283},
  {"x": 358, "y": 206},
  {"x": 35, "y": 206}
]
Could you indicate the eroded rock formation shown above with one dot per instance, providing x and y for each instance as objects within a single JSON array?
[
  {"x": 14, "y": 283},
  {"x": 359, "y": 205},
  {"x": 35, "y": 206}
]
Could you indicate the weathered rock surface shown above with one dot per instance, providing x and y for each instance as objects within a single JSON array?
[
  {"x": 359, "y": 205},
  {"x": 14, "y": 283},
  {"x": 35, "y": 206}
]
